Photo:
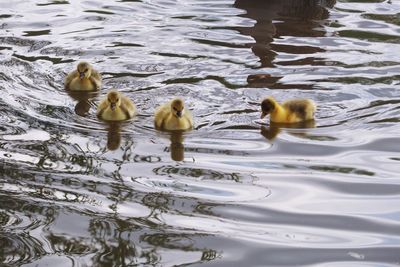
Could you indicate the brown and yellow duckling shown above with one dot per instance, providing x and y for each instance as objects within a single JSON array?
[
  {"x": 116, "y": 107},
  {"x": 173, "y": 116},
  {"x": 291, "y": 111},
  {"x": 84, "y": 78}
]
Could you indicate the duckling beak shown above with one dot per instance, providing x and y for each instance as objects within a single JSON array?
[
  {"x": 81, "y": 75},
  {"x": 179, "y": 113},
  {"x": 113, "y": 106},
  {"x": 263, "y": 114}
]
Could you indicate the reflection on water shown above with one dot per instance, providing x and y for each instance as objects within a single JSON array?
[
  {"x": 236, "y": 191},
  {"x": 177, "y": 148},
  {"x": 276, "y": 19},
  {"x": 113, "y": 135},
  {"x": 271, "y": 132},
  {"x": 84, "y": 104}
]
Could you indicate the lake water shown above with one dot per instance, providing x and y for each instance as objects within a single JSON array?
[{"x": 235, "y": 191}]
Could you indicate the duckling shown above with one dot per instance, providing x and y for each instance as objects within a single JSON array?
[
  {"x": 291, "y": 111},
  {"x": 173, "y": 116},
  {"x": 84, "y": 78},
  {"x": 116, "y": 107}
]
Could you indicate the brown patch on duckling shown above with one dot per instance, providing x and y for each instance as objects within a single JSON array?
[
  {"x": 177, "y": 107},
  {"x": 267, "y": 106},
  {"x": 299, "y": 109},
  {"x": 303, "y": 108}
]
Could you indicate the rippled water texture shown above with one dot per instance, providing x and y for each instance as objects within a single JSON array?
[{"x": 236, "y": 191}]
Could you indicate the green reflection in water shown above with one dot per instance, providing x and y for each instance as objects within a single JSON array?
[
  {"x": 57, "y": 2},
  {"x": 370, "y": 36},
  {"x": 36, "y": 33},
  {"x": 364, "y": 80},
  {"x": 347, "y": 170},
  {"x": 100, "y": 12},
  {"x": 392, "y": 19}
]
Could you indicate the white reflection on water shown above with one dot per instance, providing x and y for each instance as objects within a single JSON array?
[{"x": 30, "y": 135}]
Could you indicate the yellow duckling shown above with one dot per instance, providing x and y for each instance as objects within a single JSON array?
[
  {"x": 291, "y": 111},
  {"x": 173, "y": 116},
  {"x": 84, "y": 78},
  {"x": 116, "y": 107}
]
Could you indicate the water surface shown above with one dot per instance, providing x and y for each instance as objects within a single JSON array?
[{"x": 236, "y": 191}]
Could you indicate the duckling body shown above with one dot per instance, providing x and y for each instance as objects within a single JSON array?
[
  {"x": 291, "y": 111},
  {"x": 84, "y": 78},
  {"x": 116, "y": 107},
  {"x": 173, "y": 116}
]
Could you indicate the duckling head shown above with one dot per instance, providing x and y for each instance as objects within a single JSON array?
[
  {"x": 267, "y": 106},
  {"x": 114, "y": 99},
  {"x": 84, "y": 70},
  {"x": 177, "y": 107}
]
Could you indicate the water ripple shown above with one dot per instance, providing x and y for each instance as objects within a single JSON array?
[{"x": 236, "y": 190}]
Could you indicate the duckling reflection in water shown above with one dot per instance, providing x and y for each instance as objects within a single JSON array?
[
  {"x": 116, "y": 107},
  {"x": 84, "y": 103},
  {"x": 291, "y": 111},
  {"x": 84, "y": 78},
  {"x": 114, "y": 135},
  {"x": 262, "y": 80},
  {"x": 173, "y": 116},
  {"x": 274, "y": 128},
  {"x": 177, "y": 148}
]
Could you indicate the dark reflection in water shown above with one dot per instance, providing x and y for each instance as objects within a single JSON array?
[
  {"x": 110, "y": 239},
  {"x": 177, "y": 149},
  {"x": 276, "y": 18},
  {"x": 113, "y": 135},
  {"x": 271, "y": 132},
  {"x": 84, "y": 101},
  {"x": 132, "y": 241}
]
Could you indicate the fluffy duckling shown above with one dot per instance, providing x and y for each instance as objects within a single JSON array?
[
  {"x": 173, "y": 116},
  {"x": 116, "y": 107},
  {"x": 84, "y": 78},
  {"x": 291, "y": 111}
]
